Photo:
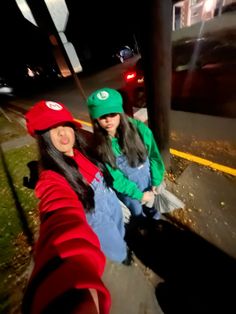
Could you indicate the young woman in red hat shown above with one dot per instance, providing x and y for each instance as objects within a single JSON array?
[{"x": 81, "y": 218}]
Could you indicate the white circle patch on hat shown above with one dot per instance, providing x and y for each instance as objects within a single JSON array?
[
  {"x": 53, "y": 105},
  {"x": 103, "y": 95}
]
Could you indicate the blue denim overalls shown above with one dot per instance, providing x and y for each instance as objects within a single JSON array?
[
  {"x": 141, "y": 175},
  {"x": 107, "y": 221}
]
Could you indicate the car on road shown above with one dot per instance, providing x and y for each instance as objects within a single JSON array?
[
  {"x": 203, "y": 77},
  {"x": 28, "y": 79},
  {"x": 124, "y": 53},
  {"x": 6, "y": 89}
]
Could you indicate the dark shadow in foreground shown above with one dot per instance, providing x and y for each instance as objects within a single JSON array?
[{"x": 197, "y": 277}]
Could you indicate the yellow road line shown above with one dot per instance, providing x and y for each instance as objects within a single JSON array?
[
  {"x": 204, "y": 162},
  {"x": 190, "y": 157},
  {"x": 83, "y": 122}
]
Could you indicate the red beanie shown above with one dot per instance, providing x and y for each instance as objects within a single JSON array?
[{"x": 46, "y": 114}]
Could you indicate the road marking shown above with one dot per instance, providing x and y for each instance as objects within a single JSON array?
[
  {"x": 203, "y": 162},
  {"x": 189, "y": 157},
  {"x": 83, "y": 122}
]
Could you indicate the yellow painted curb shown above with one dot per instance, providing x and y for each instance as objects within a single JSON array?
[
  {"x": 193, "y": 158},
  {"x": 83, "y": 122},
  {"x": 203, "y": 162}
]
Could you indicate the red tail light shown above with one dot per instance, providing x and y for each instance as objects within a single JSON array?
[{"x": 130, "y": 76}]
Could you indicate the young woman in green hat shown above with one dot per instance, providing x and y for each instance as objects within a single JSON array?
[{"x": 128, "y": 149}]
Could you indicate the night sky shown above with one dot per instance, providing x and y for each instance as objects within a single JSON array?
[{"x": 100, "y": 26}]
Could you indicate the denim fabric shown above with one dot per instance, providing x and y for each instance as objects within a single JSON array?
[
  {"x": 107, "y": 221},
  {"x": 141, "y": 175}
]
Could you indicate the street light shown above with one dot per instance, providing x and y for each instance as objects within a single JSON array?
[{"x": 208, "y": 9}]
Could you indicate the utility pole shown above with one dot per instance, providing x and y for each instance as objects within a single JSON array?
[{"x": 155, "y": 39}]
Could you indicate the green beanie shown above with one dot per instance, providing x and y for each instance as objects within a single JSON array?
[{"x": 104, "y": 101}]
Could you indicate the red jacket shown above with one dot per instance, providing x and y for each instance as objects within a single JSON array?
[{"x": 67, "y": 253}]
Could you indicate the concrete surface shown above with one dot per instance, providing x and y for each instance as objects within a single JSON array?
[{"x": 131, "y": 291}]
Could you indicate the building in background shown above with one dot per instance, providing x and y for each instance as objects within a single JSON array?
[{"x": 189, "y": 12}]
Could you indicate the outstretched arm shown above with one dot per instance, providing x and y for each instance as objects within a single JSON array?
[{"x": 68, "y": 260}]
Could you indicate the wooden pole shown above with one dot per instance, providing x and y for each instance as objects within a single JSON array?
[{"x": 155, "y": 42}]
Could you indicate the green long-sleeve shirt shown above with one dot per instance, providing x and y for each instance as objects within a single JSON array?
[{"x": 121, "y": 183}]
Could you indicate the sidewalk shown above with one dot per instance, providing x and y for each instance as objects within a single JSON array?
[{"x": 186, "y": 264}]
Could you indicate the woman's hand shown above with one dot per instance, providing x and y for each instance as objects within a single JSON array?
[
  {"x": 148, "y": 198},
  {"x": 158, "y": 189}
]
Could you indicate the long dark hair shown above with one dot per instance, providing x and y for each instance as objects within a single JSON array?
[
  {"x": 129, "y": 140},
  {"x": 52, "y": 159}
]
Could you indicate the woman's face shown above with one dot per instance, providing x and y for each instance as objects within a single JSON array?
[
  {"x": 110, "y": 123},
  {"x": 63, "y": 138}
]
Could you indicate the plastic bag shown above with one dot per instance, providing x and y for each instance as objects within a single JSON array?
[
  {"x": 166, "y": 202},
  {"x": 126, "y": 212}
]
